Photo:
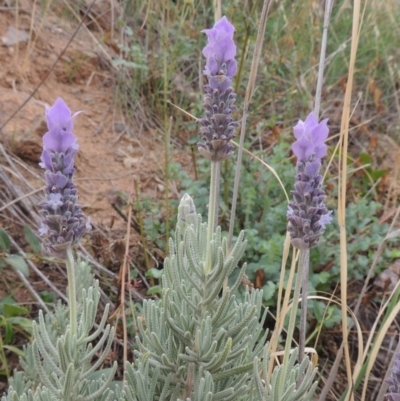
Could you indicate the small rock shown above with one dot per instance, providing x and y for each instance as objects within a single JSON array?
[
  {"x": 23, "y": 134},
  {"x": 14, "y": 36},
  {"x": 130, "y": 162},
  {"x": 389, "y": 277},
  {"x": 119, "y": 127}
]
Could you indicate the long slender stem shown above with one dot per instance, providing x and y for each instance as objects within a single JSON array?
[
  {"x": 249, "y": 92},
  {"x": 320, "y": 79},
  {"x": 237, "y": 176},
  {"x": 166, "y": 179},
  {"x": 217, "y": 194},
  {"x": 73, "y": 316},
  {"x": 304, "y": 265},
  {"x": 303, "y": 260},
  {"x": 211, "y": 211}
]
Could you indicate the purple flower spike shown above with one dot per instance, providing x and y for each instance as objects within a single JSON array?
[
  {"x": 217, "y": 128},
  {"x": 63, "y": 222},
  {"x": 307, "y": 214}
]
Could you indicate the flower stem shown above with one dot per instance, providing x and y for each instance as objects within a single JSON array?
[
  {"x": 212, "y": 211},
  {"x": 237, "y": 176},
  {"x": 320, "y": 79},
  {"x": 73, "y": 317},
  {"x": 302, "y": 264}
]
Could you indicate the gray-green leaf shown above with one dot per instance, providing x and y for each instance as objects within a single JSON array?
[{"x": 18, "y": 263}]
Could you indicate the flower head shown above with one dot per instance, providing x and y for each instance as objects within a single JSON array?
[
  {"x": 63, "y": 221},
  {"x": 307, "y": 214},
  {"x": 217, "y": 128}
]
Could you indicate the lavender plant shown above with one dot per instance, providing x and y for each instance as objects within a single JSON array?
[
  {"x": 307, "y": 214},
  {"x": 218, "y": 125},
  {"x": 60, "y": 365},
  {"x": 199, "y": 343}
]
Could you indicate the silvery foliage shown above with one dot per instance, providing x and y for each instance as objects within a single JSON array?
[
  {"x": 198, "y": 342},
  {"x": 58, "y": 366},
  {"x": 293, "y": 382}
]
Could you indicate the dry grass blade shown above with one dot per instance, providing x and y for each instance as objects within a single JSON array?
[
  {"x": 124, "y": 275},
  {"x": 284, "y": 309},
  {"x": 343, "y": 150},
  {"x": 379, "y": 339},
  {"x": 21, "y": 198},
  {"x": 249, "y": 92}
]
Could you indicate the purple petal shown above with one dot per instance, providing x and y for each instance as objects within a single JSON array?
[
  {"x": 232, "y": 68},
  {"x": 88, "y": 224},
  {"x": 57, "y": 181},
  {"x": 211, "y": 66},
  {"x": 298, "y": 129},
  {"x": 310, "y": 122},
  {"x": 320, "y": 132},
  {"x": 224, "y": 49},
  {"x": 59, "y": 115},
  {"x": 46, "y": 160},
  {"x": 43, "y": 230},
  {"x": 325, "y": 219},
  {"x": 312, "y": 169},
  {"x": 220, "y": 82},
  {"x": 57, "y": 140},
  {"x": 321, "y": 151},
  {"x": 303, "y": 148},
  {"x": 223, "y": 26},
  {"x": 220, "y": 41},
  {"x": 221, "y": 29},
  {"x": 69, "y": 162},
  {"x": 54, "y": 201},
  {"x": 310, "y": 131},
  {"x": 305, "y": 127}
]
